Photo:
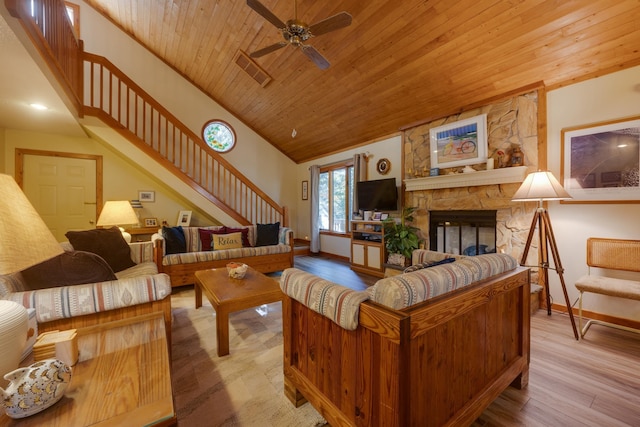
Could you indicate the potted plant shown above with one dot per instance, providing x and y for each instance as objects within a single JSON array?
[{"x": 400, "y": 238}]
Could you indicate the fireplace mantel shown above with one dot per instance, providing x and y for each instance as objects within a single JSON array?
[{"x": 495, "y": 176}]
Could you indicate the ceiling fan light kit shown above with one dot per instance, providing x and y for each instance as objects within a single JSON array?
[{"x": 296, "y": 32}]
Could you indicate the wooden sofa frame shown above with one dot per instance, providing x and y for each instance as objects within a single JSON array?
[
  {"x": 184, "y": 274},
  {"x": 610, "y": 254},
  {"x": 77, "y": 322},
  {"x": 437, "y": 363}
]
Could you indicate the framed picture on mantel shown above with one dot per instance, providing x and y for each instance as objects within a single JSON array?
[{"x": 460, "y": 143}]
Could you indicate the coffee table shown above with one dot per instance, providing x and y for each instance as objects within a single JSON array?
[
  {"x": 122, "y": 378},
  {"x": 227, "y": 295}
]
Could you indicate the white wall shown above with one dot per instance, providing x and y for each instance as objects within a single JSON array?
[
  {"x": 253, "y": 156},
  {"x": 389, "y": 148},
  {"x": 123, "y": 179},
  {"x": 613, "y": 96}
]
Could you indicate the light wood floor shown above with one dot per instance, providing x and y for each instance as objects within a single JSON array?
[{"x": 591, "y": 382}]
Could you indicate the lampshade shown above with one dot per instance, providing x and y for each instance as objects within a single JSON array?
[
  {"x": 539, "y": 186},
  {"x": 26, "y": 239},
  {"x": 119, "y": 213}
]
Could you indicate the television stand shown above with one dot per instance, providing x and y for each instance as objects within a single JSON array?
[{"x": 367, "y": 247}]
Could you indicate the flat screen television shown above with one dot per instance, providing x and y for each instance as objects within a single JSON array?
[{"x": 377, "y": 195}]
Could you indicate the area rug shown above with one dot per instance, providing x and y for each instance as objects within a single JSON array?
[{"x": 244, "y": 388}]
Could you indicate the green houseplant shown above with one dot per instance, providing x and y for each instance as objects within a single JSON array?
[{"x": 400, "y": 238}]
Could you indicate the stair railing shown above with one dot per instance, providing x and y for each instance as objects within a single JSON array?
[
  {"x": 97, "y": 87},
  {"x": 118, "y": 101}
]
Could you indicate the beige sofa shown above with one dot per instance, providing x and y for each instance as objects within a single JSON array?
[
  {"x": 182, "y": 266},
  {"x": 432, "y": 347},
  {"x": 138, "y": 290}
]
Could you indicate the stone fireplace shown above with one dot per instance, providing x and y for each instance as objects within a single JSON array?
[
  {"x": 512, "y": 219},
  {"x": 512, "y": 123}
]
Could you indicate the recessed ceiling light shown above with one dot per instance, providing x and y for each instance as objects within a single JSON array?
[{"x": 38, "y": 106}]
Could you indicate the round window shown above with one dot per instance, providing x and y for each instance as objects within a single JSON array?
[{"x": 219, "y": 136}]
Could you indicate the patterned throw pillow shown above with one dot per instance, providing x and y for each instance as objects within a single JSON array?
[
  {"x": 227, "y": 241},
  {"x": 427, "y": 265},
  {"x": 205, "y": 237},
  {"x": 245, "y": 234}
]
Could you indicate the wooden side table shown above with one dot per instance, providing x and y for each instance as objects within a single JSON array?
[
  {"x": 142, "y": 234},
  {"x": 122, "y": 378}
]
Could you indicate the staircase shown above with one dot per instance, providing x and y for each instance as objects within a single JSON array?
[{"x": 98, "y": 88}]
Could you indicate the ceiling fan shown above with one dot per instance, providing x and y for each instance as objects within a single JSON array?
[{"x": 296, "y": 32}]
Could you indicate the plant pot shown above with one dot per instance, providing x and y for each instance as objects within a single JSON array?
[{"x": 397, "y": 259}]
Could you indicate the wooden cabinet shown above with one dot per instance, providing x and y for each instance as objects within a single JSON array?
[{"x": 367, "y": 247}]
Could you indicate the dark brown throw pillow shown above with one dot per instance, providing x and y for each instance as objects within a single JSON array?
[
  {"x": 267, "y": 234},
  {"x": 106, "y": 242},
  {"x": 66, "y": 269}
]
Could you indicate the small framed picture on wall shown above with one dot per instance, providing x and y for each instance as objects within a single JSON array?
[
  {"x": 305, "y": 190},
  {"x": 147, "y": 196}
]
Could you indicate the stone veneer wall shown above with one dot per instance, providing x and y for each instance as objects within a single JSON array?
[{"x": 510, "y": 123}]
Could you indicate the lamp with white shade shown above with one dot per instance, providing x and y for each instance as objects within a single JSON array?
[
  {"x": 19, "y": 251},
  {"x": 118, "y": 213},
  {"x": 542, "y": 186}
]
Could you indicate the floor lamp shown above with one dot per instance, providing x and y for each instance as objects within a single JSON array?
[{"x": 542, "y": 186}]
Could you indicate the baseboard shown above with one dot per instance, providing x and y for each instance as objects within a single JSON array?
[{"x": 599, "y": 316}]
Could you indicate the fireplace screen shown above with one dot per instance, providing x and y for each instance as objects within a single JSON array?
[{"x": 462, "y": 232}]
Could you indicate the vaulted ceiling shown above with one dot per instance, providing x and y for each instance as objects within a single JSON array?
[{"x": 399, "y": 62}]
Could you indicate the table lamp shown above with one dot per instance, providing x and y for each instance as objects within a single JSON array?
[
  {"x": 118, "y": 213},
  {"x": 539, "y": 187},
  {"x": 26, "y": 241}
]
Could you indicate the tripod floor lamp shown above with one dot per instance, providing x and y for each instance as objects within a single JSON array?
[{"x": 542, "y": 186}]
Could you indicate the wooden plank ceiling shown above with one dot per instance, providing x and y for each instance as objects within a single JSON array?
[{"x": 399, "y": 62}]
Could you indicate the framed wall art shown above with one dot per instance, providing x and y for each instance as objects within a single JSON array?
[
  {"x": 147, "y": 196},
  {"x": 150, "y": 222},
  {"x": 460, "y": 143},
  {"x": 305, "y": 190},
  {"x": 184, "y": 218},
  {"x": 600, "y": 162}
]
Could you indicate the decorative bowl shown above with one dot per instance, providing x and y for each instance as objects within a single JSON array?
[{"x": 237, "y": 270}]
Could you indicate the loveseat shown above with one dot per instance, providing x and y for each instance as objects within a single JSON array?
[
  {"x": 431, "y": 347},
  {"x": 135, "y": 290},
  {"x": 265, "y": 247}
]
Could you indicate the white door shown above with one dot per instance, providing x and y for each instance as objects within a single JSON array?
[{"x": 62, "y": 190}]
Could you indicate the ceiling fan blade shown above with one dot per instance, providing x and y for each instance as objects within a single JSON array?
[
  {"x": 266, "y": 13},
  {"x": 335, "y": 22},
  {"x": 261, "y": 52},
  {"x": 315, "y": 56}
]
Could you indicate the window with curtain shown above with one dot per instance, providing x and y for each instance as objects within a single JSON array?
[{"x": 336, "y": 197}]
